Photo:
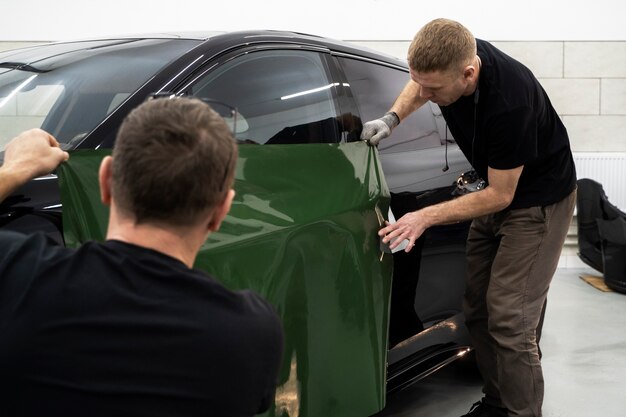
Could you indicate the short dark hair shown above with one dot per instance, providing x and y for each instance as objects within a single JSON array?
[
  {"x": 173, "y": 161},
  {"x": 441, "y": 45}
]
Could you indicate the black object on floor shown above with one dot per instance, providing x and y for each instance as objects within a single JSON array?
[
  {"x": 592, "y": 204},
  {"x": 613, "y": 237}
]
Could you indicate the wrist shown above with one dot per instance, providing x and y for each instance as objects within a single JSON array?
[
  {"x": 12, "y": 176},
  {"x": 431, "y": 216},
  {"x": 8, "y": 184},
  {"x": 391, "y": 119}
]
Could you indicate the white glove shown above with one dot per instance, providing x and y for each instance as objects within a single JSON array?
[{"x": 375, "y": 130}]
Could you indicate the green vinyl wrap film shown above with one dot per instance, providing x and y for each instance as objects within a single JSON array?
[{"x": 302, "y": 232}]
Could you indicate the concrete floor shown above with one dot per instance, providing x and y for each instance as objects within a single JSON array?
[{"x": 584, "y": 360}]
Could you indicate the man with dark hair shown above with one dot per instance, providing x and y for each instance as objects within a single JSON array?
[
  {"x": 506, "y": 126},
  {"x": 126, "y": 327}
]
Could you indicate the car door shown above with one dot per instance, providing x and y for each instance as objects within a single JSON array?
[{"x": 302, "y": 228}]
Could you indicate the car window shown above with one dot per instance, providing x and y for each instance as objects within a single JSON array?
[
  {"x": 69, "y": 89},
  {"x": 375, "y": 88},
  {"x": 26, "y": 109},
  {"x": 281, "y": 96}
]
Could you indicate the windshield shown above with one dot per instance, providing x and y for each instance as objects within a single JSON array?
[{"x": 68, "y": 89}]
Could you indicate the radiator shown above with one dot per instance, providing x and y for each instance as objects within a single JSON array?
[{"x": 607, "y": 168}]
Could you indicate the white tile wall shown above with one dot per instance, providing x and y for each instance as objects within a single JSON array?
[
  {"x": 613, "y": 96},
  {"x": 545, "y": 59},
  {"x": 595, "y": 59},
  {"x": 596, "y": 133},
  {"x": 573, "y": 96}
]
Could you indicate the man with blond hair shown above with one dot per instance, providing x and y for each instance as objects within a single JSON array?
[
  {"x": 127, "y": 327},
  {"x": 505, "y": 125}
]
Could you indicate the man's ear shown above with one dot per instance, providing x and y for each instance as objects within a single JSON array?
[
  {"x": 104, "y": 180},
  {"x": 469, "y": 71},
  {"x": 220, "y": 211}
]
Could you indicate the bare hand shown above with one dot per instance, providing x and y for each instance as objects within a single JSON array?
[
  {"x": 410, "y": 226},
  {"x": 33, "y": 153}
]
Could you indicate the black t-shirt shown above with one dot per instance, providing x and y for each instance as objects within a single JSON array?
[
  {"x": 510, "y": 122},
  {"x": 114, "y": 329}
]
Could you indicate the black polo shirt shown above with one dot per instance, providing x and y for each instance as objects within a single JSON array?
[
  {"x": 510, "y": 122},
  {"x": 114, "y": 329}
]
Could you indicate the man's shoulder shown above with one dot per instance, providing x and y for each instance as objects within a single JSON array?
[
  {"x": 253, "y": 308},
  {"x": 23, "y": 257},
  {"x": 484, "y": 47},
  {"x": 260, "y": 321},
  {"x": 9, "y": 238},
  {"x": 256, "y": 304},
  {"x": 254, "y": 315}
]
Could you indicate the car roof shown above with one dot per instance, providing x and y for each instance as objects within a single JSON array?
[
  {"x": 276, "y": 36},
  {"x": 207, "y": 40},
  {"x": 197, "y": 35}
]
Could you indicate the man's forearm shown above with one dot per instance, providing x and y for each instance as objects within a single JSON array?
[
  {"x": 408, "y": 101},
  {"x": 465, "y": 207},
  {"x": 412, "y": 225}
]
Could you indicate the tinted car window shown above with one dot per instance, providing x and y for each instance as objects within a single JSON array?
[
  {"x": 68, "y": 90},
  {"x": 375, "y": 88},
  {"x": 281, "y": 96}
]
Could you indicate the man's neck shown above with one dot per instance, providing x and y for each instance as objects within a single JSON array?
[{"x": 179, "y": 243}]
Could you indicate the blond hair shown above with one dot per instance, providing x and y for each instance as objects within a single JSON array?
[{"x": 441, "y": 45}]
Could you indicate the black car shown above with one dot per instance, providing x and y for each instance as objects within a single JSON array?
[{"x": 288, "y": 88}]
